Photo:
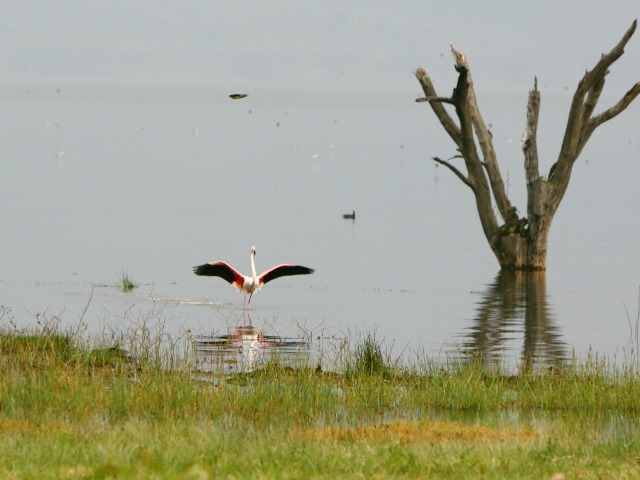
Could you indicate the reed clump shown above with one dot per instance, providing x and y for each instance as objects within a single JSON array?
[
  {"x": 368, "y": 359},
  {"x": 125, "y": 282}
]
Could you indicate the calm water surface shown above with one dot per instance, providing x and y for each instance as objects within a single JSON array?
[{"x": 95, "y": 182}]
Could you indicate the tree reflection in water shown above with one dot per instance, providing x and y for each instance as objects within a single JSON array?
[{"x": 514, "y": 307}]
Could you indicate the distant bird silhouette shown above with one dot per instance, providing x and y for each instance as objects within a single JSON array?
[
  {"x": 349, "y": 216},
  {"x": 237, "y": 96},
  {"x": 254, "y": 282}
]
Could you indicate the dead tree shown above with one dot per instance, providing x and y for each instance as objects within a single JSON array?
[{"x": 520, "y": 243}]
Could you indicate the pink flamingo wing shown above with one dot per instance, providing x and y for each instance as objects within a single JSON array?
[
  {"x": 222, "y": 270},
  {"x": 282, "y": 271}
]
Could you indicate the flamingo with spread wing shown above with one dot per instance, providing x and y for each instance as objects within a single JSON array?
[{"x": 249, "y": 284}]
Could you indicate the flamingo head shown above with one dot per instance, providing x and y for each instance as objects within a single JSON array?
[{"x": 253, "y": 250}]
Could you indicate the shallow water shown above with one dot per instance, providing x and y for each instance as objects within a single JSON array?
[
  {"x": 246, "y": 348},
  {"x": 95, "y": 182}
]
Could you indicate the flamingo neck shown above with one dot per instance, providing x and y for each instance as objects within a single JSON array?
[{"x": 253, "y": 266}]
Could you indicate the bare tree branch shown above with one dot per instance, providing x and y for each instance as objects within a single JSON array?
[
  {"x": 535, "y": 187},
  {"x": 485, "y": 140},
  {"x": 529, "y": 139},
  {"x": 445, "y": 119},
  {"x": 467, "y": 147},
  {"x": 458, "y": 173},
  {"x": 617, "y": 108},
  {"x": 579, "y": 125}
]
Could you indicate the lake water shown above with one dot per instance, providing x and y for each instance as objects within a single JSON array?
[{"x": 98, "y": 181}]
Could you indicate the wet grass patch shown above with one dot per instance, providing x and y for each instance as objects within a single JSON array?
[
  {"x": 112, "y": 408},
  {"x": 421, "y": 431}
]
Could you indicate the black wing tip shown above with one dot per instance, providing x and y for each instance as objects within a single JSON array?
[
  {"x": 300, "y": 270},
  {"x": 204, "y": 269}
]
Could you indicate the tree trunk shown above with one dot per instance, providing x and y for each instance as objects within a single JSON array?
[{"x": 520, "y": 243}]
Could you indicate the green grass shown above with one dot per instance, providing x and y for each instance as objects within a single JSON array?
[
  {"x": 188, "y": 449},
  {"x": 70, "y": 410}
]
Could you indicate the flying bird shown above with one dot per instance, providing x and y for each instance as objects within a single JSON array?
[
  {"x": 237, "y": 96},
  {"x": 253, "y": 283}
]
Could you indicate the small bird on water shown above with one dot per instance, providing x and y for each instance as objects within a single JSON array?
[
  {"x": 253, "y": 283},
  {"x": 237, "y": 96},
  {"x": 349, "y": 216}
]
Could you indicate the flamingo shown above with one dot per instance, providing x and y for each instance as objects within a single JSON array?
[{"x": 253, "y": 283}]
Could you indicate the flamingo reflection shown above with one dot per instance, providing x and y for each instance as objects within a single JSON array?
[{"x": 246, "y": 347}]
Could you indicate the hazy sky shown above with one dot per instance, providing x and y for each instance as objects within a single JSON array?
[{"x": 321, "y": 45}]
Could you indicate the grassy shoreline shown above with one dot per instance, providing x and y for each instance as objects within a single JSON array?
[{"x": 70, "y": 411}]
